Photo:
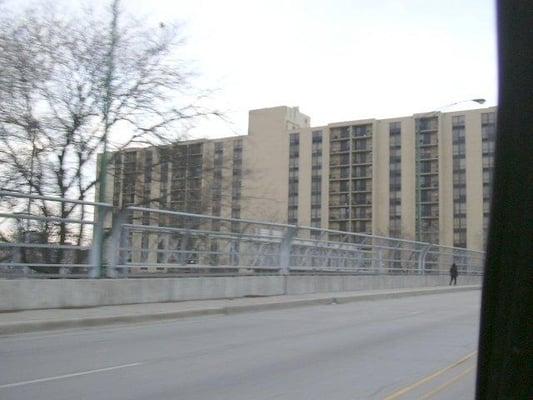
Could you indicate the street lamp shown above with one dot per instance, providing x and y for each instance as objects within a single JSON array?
[{"x": 418, "y": 160}]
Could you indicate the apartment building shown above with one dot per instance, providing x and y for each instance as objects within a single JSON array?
[{"x": 423, "y": 177}]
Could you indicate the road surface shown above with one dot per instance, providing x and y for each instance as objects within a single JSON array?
[{"x": 383, "y": 349}]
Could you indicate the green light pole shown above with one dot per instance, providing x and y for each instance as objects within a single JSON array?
[{"x": 98, "y": 242}]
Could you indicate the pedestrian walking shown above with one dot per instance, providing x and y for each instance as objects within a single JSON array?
[{"x": 453, "y": 274}]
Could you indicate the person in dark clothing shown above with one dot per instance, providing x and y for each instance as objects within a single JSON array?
[{"x": 453, "y": 274}]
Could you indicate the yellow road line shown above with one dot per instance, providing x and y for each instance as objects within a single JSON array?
[
  {"x": 445, "y": 385},
  {"x": 407, "y": 389}
]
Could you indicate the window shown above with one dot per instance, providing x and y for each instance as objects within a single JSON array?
[
  {"x": 362, "y": 226},
  {"x": 488, "y": 132},
  {"x": 459, "y": 208},
  {"x": 344, "y": 159},
  {"x": 430, "y": 196},
  {"x": 395, "y": 183},
  {"x": 117, "y": 176},
  {"x": 235, "y": 192},
  {"x": 293, "y": 187},
  {"x": 459, "y": 178},
  {"x": 488, "y": 147},
  {"x": 458, "y": 134},
  {"x": 488, "y": 162},
  {"x": 458, "y": 120},
  {"x": 294, "y": 154},
  {"x": 459, "y": 222},
  {"x": 427, "y": 153},
  {"x": 488, "y": 118},
  {"x": 361, "y": 185},
  {"x": 429, "y": 210},
  {"x": 395, "y": 127},
  {"x": 130, "y": 177},
  {"x": 429, "y": 181},
  {"x": 360, "y": 172},
  {"x": 459, "y": 238},
  {"x": 317, "y": 136},
  {"x": 459, "y": 164},
  {"x": 236, "y": 213},
  {"x": 428, "y": 167},
  {"x": 315, "y": 212},
  {"x": 344, "y": 186},
  {"x": 362, "y": 145},
  {"x": 459, "y": 193},
  {"x": 395, "y": 154},
  {"x": 294, "y": 139},
  {"x": 293, "y": 214},
  {"x": 396, "y": 195},
  {"x": 458, "y": 149},
  {"x": 340, "y": 133},
  {"x": 485, "y": 222},
  {"x": 195, "y": 148},
  {"x": 427, "y": 124},
  {"x": 362, "y": 131},
  {"x": 395, "y": 210},
  {"x": 293, "y": 199},
  {"x": 425, "y": 138},
  {"x": 362, "y": 198},
  {"x": 195, "y": 171},
  {"x": 362, "y": 212},
  {"x": 487, "y": 177},
  {"x": 395, "y": 139},
  {"x": 361, "y": 158}
]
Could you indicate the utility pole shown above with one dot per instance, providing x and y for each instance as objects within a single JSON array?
[{"x": 98, "y": 242}]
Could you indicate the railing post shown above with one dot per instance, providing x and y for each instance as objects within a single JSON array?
[
  {"x": 285, "y": 250},
  {"x": 422, "y": 260},
  {"x": 97, "y": 250},
  {"x": 379, "y": 260},
  {"x": 116, "y": 243}
]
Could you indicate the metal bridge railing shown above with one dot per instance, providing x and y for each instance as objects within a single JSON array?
[
  {"x": 45, "y": 243},
  {"x": 151, "y": 242}
]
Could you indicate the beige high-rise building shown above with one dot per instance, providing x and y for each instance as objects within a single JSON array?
[{"x": 423, "y": 177}]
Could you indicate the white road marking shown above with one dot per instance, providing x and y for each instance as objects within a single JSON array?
[{"x": 53, "y": 378}]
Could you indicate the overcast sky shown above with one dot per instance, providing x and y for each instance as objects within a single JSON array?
[{"x": 335, "y": 59}]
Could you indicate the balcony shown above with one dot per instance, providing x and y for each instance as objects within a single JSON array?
[
  {"x": 343, "y": 148},
  {"x": 338, "y": 178}
]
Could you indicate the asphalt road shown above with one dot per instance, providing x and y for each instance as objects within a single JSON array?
[{"x": 365, "y": 350}]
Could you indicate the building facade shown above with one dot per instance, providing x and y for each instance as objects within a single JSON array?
[{"x": 423, "y": 177}]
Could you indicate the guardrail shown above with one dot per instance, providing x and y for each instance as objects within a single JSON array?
[
  {"x": 151, "y": 242},
  {"x": 48, "y": 244}
]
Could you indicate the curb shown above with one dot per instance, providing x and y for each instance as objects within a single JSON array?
[{"x": 38, "y": 326}]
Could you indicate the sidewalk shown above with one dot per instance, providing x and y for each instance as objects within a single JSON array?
[{"x": 54, "y": 319}]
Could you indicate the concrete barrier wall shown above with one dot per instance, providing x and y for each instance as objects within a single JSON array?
[
  {"x": 26, "y": 294},
  {"x": 321, "y": 284}
]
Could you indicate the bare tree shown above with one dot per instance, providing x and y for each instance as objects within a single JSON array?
[{"x": 75, "y": 86}]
